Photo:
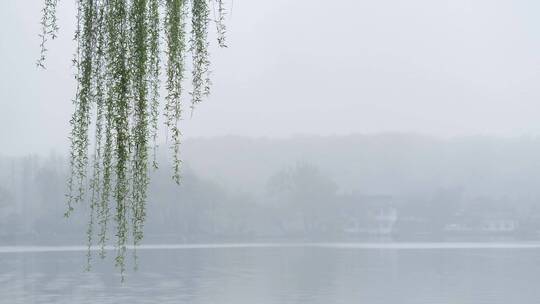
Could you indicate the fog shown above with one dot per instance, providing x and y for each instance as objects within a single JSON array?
[
  {"x": 308, "y": 188},
  {"x": 350, "y": 151},
  {"x": 443, "y": 68},
  {"x": 342, "y": 121}
]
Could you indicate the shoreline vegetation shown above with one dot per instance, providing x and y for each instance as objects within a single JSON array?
[{"x": 362, "y": 188}]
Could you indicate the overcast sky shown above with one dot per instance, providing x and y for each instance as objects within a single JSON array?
[{"x": 456, "y": 67}]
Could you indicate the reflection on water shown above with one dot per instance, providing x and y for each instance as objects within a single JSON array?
[{"x": 298, "y": 273}]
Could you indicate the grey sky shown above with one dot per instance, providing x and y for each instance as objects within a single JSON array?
[{"x": 319, "y": 67}]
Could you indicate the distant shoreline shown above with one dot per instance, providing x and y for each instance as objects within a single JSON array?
[{"x": 372, "y": 245}]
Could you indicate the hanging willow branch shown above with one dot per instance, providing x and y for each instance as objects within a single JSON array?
[
  {"x": 118, "y": 68},
  {"x": 49, "y": 28}
]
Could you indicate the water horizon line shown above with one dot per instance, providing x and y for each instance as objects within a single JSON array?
[{"x": 328, "y": 245}]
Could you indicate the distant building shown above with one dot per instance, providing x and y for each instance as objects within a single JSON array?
[
  {"x": 374, "y": 215},
  {"x": 499, "y": 225},
  {"x": 482, "y": 224}
]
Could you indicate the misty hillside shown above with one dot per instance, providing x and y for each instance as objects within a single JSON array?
[
  {"x": 396, "y": 164},
  {"x": 330, "y": 188}
]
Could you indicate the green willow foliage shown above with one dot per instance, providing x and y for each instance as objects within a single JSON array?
[{"x": 118, "y": 65}]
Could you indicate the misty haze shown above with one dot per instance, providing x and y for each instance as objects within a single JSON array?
[{"x": 349, "y": 152}]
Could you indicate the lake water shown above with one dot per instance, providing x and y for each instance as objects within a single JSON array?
[{"x": 391, "y": 273}]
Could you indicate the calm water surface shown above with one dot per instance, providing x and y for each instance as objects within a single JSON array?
[{"x": 309, "y": 273}]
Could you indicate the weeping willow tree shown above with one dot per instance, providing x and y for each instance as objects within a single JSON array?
[{"x": 124, "y": 49}]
